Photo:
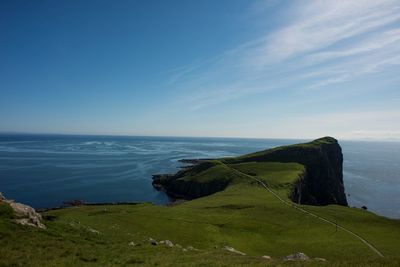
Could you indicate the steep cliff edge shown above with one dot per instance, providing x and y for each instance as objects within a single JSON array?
[
  {"x": 320, "y": 184},
  {"x": 202, "y": 179}
]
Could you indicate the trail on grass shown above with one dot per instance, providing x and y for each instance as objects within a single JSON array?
[{"x": 293, "y": 205}]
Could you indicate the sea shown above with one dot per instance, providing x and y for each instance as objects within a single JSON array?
[{"x": 46, "y": 170}]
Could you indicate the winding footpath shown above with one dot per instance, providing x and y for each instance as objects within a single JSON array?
[{"x": 291, "y": 204}]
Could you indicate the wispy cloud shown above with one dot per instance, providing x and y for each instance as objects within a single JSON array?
[
  {"x": 323, "y": 43},
  {"x": 319, "y": 24}
]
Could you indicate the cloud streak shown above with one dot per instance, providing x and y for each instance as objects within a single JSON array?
[{"x": 324, "y": 43}]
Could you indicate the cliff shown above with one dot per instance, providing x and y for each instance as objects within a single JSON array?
[
  {"x": 203, "y": 178},
  {"x": 321, "y": 183}
]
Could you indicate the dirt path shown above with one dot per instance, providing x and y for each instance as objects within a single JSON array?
[{"x": 293, "y": 205}]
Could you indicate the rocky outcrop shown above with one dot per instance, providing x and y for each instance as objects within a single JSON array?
[
  {"x": 24, "y": 214},
  {"x": 321, "y": 182},
  {"x": 190, "y": 183}
]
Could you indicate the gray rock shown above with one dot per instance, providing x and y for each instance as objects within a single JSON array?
[
  {"x": 132, "y": 244},
  {"x": 25, "y": 214},
  {"x": 266, "y": 257},
  {"x": 298, "y": 256},
  {"x": 320, "y": 259},
  {"x": 93, "y": 231},
  {"x": 169, "y": 243},
  {"x": 231, "y": 249}
]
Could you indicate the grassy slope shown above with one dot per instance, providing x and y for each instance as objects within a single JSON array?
[{"x": 244, "y": 216}]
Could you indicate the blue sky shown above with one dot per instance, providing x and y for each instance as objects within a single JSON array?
[{"x": 280, "y": 69}]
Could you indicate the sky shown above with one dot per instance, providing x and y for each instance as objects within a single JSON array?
[{"x": 227, "y": 68}]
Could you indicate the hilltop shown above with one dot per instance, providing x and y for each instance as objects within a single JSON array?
[{"x": 241, "y": 209}]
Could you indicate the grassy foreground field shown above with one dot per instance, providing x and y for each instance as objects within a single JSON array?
[{"x": 244, "y": 216}]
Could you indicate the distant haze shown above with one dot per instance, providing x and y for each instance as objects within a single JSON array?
[{"x": 232, "y": 68}]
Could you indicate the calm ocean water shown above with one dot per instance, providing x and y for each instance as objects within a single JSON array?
[{"x": 45, "y": 170}]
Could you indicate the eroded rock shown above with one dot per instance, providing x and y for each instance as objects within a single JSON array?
[
  {"x": 298, "y": 256},
  {"x": 24, "y": 214}
]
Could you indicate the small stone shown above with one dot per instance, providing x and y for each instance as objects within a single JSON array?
[
  {"x": 132, "y": 244},
  {"x": 178, "y": 246},
  {"x": 169, "y": 243},
  {"x": 298, "y": 256},
  {"x": 320, "y": 259},
  {"x": 162, "y": 242},
  {"x": 190, "y": 248},
  {"x": 184, "y": 250},
  {"x": 93, "y": 231},
  {"x": 266, "y": 257},
  {"x": 231, "y": 249}
]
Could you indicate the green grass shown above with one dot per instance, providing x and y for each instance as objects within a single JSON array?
[
  {"x": 214, "y": 171},
  {"x": 256, "y": 156},
  {"x": 244, "y": 216}
]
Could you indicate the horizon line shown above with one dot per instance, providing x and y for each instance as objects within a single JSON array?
[{"x": 186, "y": 136}]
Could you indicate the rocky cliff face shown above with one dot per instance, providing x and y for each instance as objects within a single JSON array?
[
  {"x": 322, "y": 182},
  {"x": 193, "y": 182}
]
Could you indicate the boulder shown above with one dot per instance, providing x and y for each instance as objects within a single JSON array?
[
  {"x": 24, "y": 214},
  {"x": 298, "y": 256}
]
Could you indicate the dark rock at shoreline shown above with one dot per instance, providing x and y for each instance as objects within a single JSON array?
[{"x": 73, "y": 203}]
